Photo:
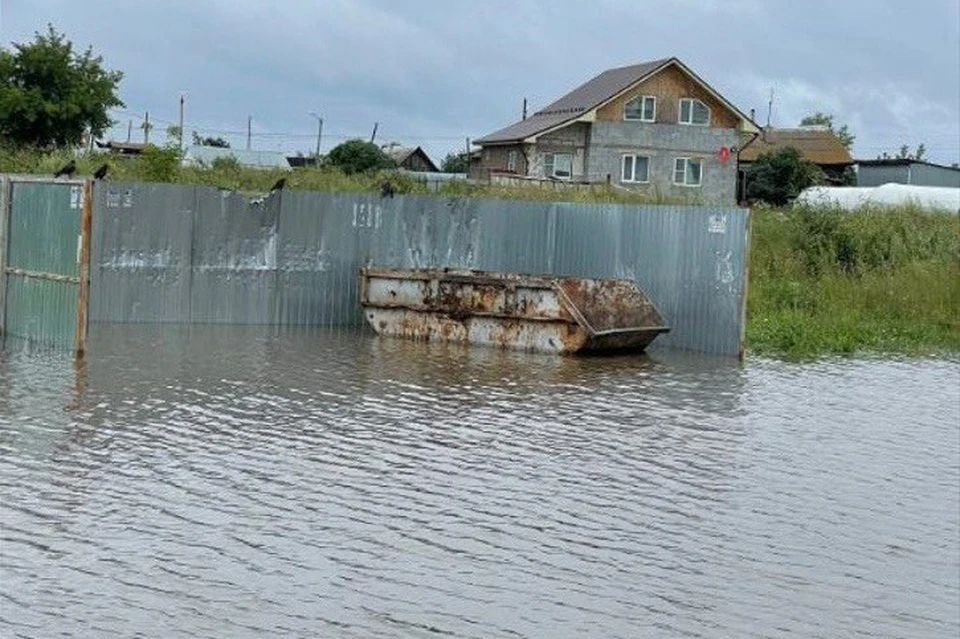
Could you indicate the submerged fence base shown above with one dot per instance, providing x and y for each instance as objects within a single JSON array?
[{"x": 193, "y": 254}]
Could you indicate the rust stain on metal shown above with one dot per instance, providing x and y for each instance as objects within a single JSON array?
[{"x": 508, "y": 310}]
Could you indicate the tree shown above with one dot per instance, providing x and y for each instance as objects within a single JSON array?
[
  {"x": 220, "y": 143},
  {"x": 50, "y": 95},
  {"x": 905, "y": 154},
  {"x": 357, "y": 156},
  {"x": 173, "y": 133},
  {"x": 779, "y": 176},
  {"x": 822, "y": 119},
  {"x": 456, "y": 163}
]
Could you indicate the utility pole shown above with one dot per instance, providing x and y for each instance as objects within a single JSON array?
[
  {"x": 249, "y": 124},
  {"x": 770, "y": 108},
  {"x": 524, "y": 109},
  {"x": 373, "y": 136},
  {"x": 146, "y": 127},
  {"x": 180, "y": 141},
  {"x": 129, "y": 129},
  {"x": 319, "y": 130}
]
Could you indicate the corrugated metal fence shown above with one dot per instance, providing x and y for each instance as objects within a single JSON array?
[
  {"x": 181, "y": 253},
  {"x": 43, "y": 259}
]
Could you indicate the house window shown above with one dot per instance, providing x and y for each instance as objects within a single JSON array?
[
  {"x": 693, "y": 111},
  {"x": 512, "y": 161},
  {"x": 642, "y": 107},
  {"x": 687, "y": 171},
  {"x": 635, "y": 168},
  {"x": 558, "y": 165}
]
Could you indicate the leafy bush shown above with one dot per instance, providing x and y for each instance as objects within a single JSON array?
[
  {"x": 357, "y": 156},
  {"x": 778, "y": 177},
  {"x": 159, "y": 165}
]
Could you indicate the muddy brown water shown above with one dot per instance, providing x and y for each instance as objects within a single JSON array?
[{"x": 239, "y": 482}]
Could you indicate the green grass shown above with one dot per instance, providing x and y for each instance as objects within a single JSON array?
[
  {"x": 159, "y": 165},
  {"x": 828, "y": 282},
  {"x": 822, "y": 281}
]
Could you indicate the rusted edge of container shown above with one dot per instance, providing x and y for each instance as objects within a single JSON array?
[{"x": 632, "y": 337}]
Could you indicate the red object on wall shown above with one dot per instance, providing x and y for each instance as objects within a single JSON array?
[{"x": 723, "y": 153}]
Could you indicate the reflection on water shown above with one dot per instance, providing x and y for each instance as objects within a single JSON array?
[{"x": 211, "y": 481}]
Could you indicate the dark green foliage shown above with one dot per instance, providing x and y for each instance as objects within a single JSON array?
[
  {"x": 778, "y": 177},
  {"x": 357, "y": 156},
  {"x": 159, "y": 165},
  {"x": 455, "y": 163},
  {"x": 220, "y": 143},
  {"x": 50, "y": 95}
]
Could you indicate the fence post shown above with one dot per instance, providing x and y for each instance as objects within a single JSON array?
[
  {"x": 5, "y": 204},
  {"x": 83, "y": 292},
  {"x": 742, "y": 346}
]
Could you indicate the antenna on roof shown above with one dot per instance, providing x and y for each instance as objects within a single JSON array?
[
  {"x": 770, "y": 107},
  {"x": 524, "y": 108},
  {"x": 373, "y": 136}
]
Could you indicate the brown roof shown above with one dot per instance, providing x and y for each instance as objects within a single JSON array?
[
  {"x": 574, "y": 104},
  {"x": 590, "y": 95},
  {"x": 819, "y": 146}
]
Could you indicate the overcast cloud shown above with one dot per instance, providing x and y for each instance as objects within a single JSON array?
[{"x": 435, "y": 72}]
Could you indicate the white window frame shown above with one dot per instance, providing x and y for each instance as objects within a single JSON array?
[
  {"x": 643, "y": 108},
  {"x": 633, "y": 177},
  {"x": 512, "y": 160},
  {"x": 680, "y": 119},
  {"x": 686, "y": 172},
  {"x": 552, "y": 172}
]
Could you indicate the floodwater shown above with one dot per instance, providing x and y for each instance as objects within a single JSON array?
[{"x": 237, "y": 482}]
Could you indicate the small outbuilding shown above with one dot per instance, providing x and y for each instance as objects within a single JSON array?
[
  {"x": 411, "y": 158},
  {"x": 906, "y": 171}
]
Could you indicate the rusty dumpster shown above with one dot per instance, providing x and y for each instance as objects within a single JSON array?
[{"x": 527, "y": 312}]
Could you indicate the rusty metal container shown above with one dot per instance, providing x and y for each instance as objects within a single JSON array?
[{"x": 526, "y": 312}]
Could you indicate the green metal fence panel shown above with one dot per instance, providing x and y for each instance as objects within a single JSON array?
[
  {"x": 42, "y": 311},
  {"x": 45, "y": 227},
  {"x": 41, "y": 262}
]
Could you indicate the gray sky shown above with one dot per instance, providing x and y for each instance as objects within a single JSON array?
[{"x": 435, "y": 72}]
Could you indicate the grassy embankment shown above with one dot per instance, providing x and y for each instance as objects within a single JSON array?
[
  {"x": 825, "y": 281},
  {"x": 163, "y": 166},
  {"x": 822, "y": 281}
]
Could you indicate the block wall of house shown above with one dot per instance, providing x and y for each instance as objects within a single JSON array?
[
  {"x": 662, "y": 144},
  {"x": 668, "y": 87},
  {"x": 495, "y": 159},
  {"x": 572, "y": 139}
]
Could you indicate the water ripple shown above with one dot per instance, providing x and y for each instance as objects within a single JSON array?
[{"x": 238, "y": 482}]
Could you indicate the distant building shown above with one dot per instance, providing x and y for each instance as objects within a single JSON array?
[
  {"x": 300, "y": 161},
  {"x": 206, "y": 155},
  {"x": 411, "y": 158},
  {"x": 122, "y": 148},
  {"x": 654, "y": 127},
  {"x": 906, "y": 171},
  {"x": 816, "y": 144}
]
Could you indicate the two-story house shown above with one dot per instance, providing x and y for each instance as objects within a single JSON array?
[{"x": 655, "y": 126}]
